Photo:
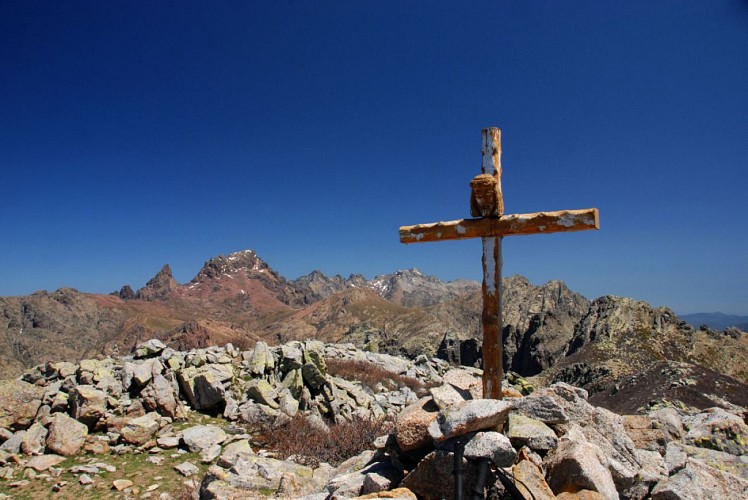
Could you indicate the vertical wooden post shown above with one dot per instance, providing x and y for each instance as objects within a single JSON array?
[{"x": 493, "y": 370}]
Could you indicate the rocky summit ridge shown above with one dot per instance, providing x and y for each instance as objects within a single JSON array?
[
  {"x": 625, "y": 353},
  {"x": 205, "y": 423}
]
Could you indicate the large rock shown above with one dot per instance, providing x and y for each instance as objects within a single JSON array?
[
  {"x": 412, "y": 425},
  {"x": 474, "y": 415},
  {"x": 526, "y": 431},
  {"x": 491, "y": 445},
  {"x": 202, "y": 437},
  {"x": 159, "y": 396},
  {"x": 603, "y": 428},
  {"x": 530, "y": 481},
  {"x": 19, "y": 402},
  {"x": 34, "y": 440},
  {"x": 66, "y": 435},
  {"x": 203, "y": 386},
  {"x": 149, "y": 348},
  {"x": 261, "y": 360},
  {"x": 261, "y": 391},
  {"x": 140, "y": 430},
  {"x": 699, "y": 481},
  {"x": 43, "y": 462},
  {"x": 543, "y": 408},
  {"x": 252, "y": 475},
  {"x": 87, "y": 404},
  {"x": 432, "y": 478},
  {"x": 575, "y": 465},
  {"x": 718, "y": 429}
]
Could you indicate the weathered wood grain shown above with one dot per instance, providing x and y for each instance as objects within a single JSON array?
[
  {"x": 493, "y": 347},
  {"x": 506, "y": 225}
]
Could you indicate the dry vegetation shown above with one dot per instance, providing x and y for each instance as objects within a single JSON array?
[
  {"x": 370, "y": 375},
  {"x": 310, "y": 443}
]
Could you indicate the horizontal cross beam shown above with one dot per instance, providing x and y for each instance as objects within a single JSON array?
[{"x": 506, "y": 225}]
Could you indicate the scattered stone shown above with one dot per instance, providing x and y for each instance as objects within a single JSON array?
[
  {"x": 85, "y": 479},
  {"x": 121, "y": 484},
  {"x": 201, "y": 437},
  {"x": 139, "y": 431},
  {"x": 150, "y": 348},
  {"x": 168, "y": 442},
  {"x": 187, "y": 469},
  {"x": 43, "y": 462}
]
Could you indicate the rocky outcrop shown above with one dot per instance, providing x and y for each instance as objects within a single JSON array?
[{"x": 160, "y": 287}]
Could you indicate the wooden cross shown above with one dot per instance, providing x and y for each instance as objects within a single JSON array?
[{"x": 491, "y": 225}]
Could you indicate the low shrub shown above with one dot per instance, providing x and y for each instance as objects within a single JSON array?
[
  {"x": 311, "y": 443},
  {"x": 371, "y": 374}
]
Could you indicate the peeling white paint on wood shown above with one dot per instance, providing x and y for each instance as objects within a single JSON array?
[{"x": 507, "y": 225}]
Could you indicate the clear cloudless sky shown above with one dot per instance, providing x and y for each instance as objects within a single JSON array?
[{"x": 134, "y": 134}]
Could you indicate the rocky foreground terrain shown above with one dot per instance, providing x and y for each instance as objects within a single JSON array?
[{"x": 162, "y": 423}]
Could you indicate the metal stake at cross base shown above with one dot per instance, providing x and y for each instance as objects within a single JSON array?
[{"x": 491, "y": 225}]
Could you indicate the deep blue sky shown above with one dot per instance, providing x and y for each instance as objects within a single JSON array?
[{"x": 134, "y": 134}]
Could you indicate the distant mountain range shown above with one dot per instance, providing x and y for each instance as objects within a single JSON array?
[
  {"x": 550, "y": 332},
  {"x": 716, "y": 320}
]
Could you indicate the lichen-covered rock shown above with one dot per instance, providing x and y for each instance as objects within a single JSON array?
[
  {"x": 19, "y": 402},
  {"x": 203, "y": 386},
  {"x": 526, "y": 431},
  {"x": 720, "y": 430},
  {"x": 66, "y": 435},
  {"x": 697, "y": 480},
  {"x": 254, "y": 474},
  {"x": 149, "y": 348},
  {"x": 261, "y": 360},
  {"x": 261, "y": 391}
]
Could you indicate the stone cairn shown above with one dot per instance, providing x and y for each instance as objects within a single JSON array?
[{"x": 546, "y": 443}]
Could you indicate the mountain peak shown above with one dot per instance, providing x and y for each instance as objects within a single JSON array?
[
  {"x": 247, "y": 260},
  {"x": 160, "y": 287}
]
